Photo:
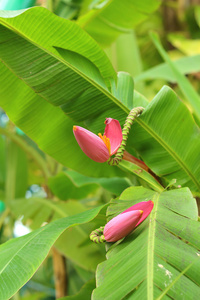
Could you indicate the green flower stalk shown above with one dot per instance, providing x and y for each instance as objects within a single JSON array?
[{"x": 134, "y": 113}]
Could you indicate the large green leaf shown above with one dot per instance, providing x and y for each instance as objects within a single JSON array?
[
  {"x": 167, "y": 138},
  {"x": 63, "y": 83},
  {"x": 20, "y": 257},
  {"x": 35, "y": 116},
  {"x": 110, "y": 18},
  {"x": 148, "y": 260},
  {"x": 52, "y": 31}
]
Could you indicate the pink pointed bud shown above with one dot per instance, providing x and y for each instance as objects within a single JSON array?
[
  {"x": 121, "y": 225},
  {"x": 100, "y": 148},
  {"x": 145, "y": 206},
  {"x": 91, "y": 144}
]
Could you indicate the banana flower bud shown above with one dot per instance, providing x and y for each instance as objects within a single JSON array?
[
  {"x": 121, "y": 225},
  {"x": 97, "y": 147}
]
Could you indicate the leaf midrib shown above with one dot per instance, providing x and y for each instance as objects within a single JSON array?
[
  {"x": 169, "y": 150},
  {"x": 150, "y": 249}
]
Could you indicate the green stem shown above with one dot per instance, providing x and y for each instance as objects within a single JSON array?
[
  {"x": 97, "y": 236},
  {"x": 135, "y": 112},
  {"x": 29, "y": 150}
]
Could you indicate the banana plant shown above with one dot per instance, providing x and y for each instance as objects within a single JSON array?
[{"x": 55, "y": 77}]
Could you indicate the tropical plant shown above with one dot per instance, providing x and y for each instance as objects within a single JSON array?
[{"x": 55, "y": 75}]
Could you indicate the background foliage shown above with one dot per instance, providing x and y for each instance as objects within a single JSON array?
[{"x": 68, "y": 62}]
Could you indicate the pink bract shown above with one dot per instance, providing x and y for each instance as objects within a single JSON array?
[
  {"x": 145, "y": 206},
  {"x": 91, "y": 144},
  {"x": 121, "y": 225},
  {"x": 99, "y": 148},
  {"x": 114, "y": 132}
]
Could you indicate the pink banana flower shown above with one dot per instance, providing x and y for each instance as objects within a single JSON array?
[
  {"x": 97, "y": 147},
  {"x": 121, "y": 225}
]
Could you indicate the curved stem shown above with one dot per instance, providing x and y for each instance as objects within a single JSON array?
[
  {"x": 97, "y": 236},
  {"x": 127, "y": 156}
]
